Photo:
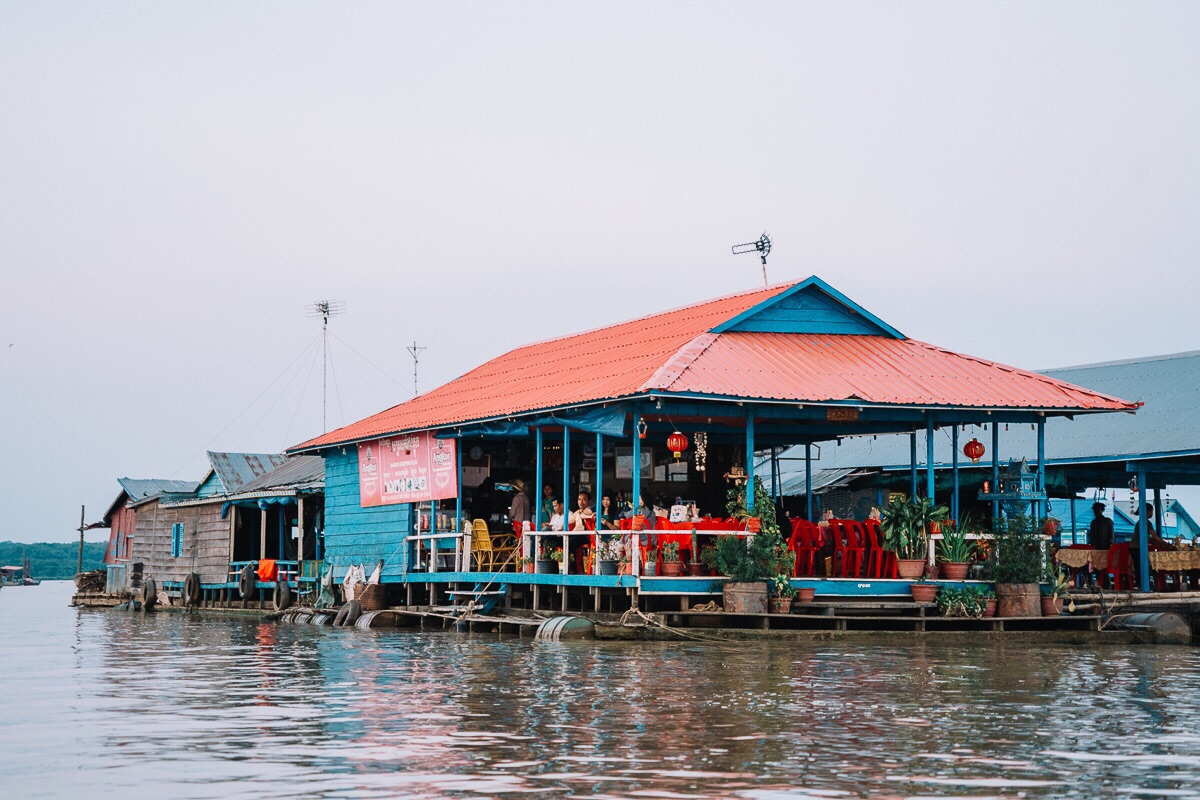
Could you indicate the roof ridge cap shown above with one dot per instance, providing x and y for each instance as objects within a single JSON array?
[{"x": 676, "y": 365}]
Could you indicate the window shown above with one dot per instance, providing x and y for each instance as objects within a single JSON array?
[{"x": 177, "y": 540}]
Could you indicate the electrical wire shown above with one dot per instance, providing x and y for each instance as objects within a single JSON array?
[
  {"x": 299, "y": 402},
  {"x": 337, "y": 390},
  {"x": 249, "y": 405},
  {"x": 372, "y": 363},
  {"x": 312, "y": 365}
]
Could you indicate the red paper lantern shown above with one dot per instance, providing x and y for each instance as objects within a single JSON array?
[
  {"x": 677, "y": 443},
  {"x": 973, "y": 450}
]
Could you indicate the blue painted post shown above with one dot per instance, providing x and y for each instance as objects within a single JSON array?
[
  {"x": 929, "y": 474},
  {"x": 995, "y": 471},
  {"x": 282, "y": 512},
  {"x": 458, "y": 504},
  {"x": 1143, "y": 543},
  {"x": 596, "y": 504},
  {"x": 954, "y": 470},
  {"x": 566, "y": 498},
  {"x": 750, "y": 461},
  {"x": 1158, "y": 511},
  {"x": 1074, "y": 539},
  {"x": 808, "y": 498},
  {"x": 636, "y": 492},
  {"x": 1041, "y": 473},
  {"x": 912, "y": 447},
  {"x": 536, "y": 494}
]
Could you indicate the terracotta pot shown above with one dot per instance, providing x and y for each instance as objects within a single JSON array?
[
  {"x": 697, "y": 570},
  {"x": 805, "y": 594},
  {"x": 953, "y": 570},
  {"x": 746, "y": 598},
  {"x": 1018, "y": 600},
  {"x": 910, "y": 568},
  {"x": 923, "y": 592},
  {"x": 989, "y": 608},
  {"x": 781, "y": 605},
  {"x": 529, "y": 568},
  {"x": 1052, "y": 606},
  {"x": 671, "y": 569}
]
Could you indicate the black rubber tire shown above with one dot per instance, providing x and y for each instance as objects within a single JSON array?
[
  {"x": 246, "y": 579},
  {"x": 191, "y": 589},
  {"x": 149, "y": 593},
  {"x": 283, "y": 596},
  {"x": 347, "y": 615}
]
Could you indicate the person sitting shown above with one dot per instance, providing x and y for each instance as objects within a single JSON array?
[
  {"x": 555, "y": 523},
  {"x": 608, "y": 514},
  {"x": 578, "y": 518},
  {"x": 548, "y": 500}
]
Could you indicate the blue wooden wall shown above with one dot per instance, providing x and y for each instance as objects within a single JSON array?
[
  {"x": 211, "y": 486},
  {"x": 357, "y": 535},
  {"x": 807, "y": 311}
]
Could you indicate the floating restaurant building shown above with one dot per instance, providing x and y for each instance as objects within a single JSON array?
[{"x": 674, "y": 406}]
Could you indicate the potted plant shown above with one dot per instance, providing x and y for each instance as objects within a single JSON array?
[
  {"x": 670, "y": 560},
  {"x": 708, "y": 557},
  {"x": 1015, "y": 565},
  {"x": 906, "y": 525},
  {"x": 965, "y": 601},
  {"x": 989, "y": 601},
  {"x": 923, "y": 591},
  {"x": 782, "y": 593},
  {"x": 955, "y": 551},
  {"x": 804, "y": 594},
  {"x": 546, "y": 560},
  {"x": 608, "y": 556},
  {"x": 1055, "y": 594},
  {"x": 749, "y": 560},
  {"x": 650, "y": 568},
  {"x": 527, "y": 565}
]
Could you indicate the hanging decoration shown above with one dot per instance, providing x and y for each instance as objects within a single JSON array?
[
  {"x": 701, "y": 451},
  {"x": 641, "y": 429},
  {"x": 974, "y": 450},
  {"x": 677, "y": 443},
  {"x": 736, "y": 475}
]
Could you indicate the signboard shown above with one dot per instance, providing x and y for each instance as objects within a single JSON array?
[
  {"x": 414, "y": 468},
  {"x": 838, "y": 414}
]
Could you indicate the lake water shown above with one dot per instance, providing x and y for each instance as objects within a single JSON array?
[{"x": 115, "y": 704}]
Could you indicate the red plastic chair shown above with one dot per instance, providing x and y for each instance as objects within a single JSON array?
[
  {"x": 880, "y": 563},
  {"x": 804, "y": 544},
  {"x": 1119, "y": 574},
  {"x": 847, "y": 549}
]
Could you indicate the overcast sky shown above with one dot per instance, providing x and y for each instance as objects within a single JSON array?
[{"x": 178, "y": 180}]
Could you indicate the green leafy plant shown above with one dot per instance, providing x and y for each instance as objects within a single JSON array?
[
  {"x": 747, "y": 559},
  {"x": 966, "y": 601},
  {"x": 1059, "y": 587},
  {"x": 1016, "y": 553},
  {"x": 708, "y": 556},
  {"x": 670, "y": 552},
  {"x": 954, "y": 546},
  {"x": 781, "y": 586},
  {"x": 763, "y": 506},
  {"x": 905, "y": 524},
  {"x": 556, "y": 554}
]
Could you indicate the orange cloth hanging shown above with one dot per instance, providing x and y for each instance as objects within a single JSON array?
[{"x": 266, "y": 569}]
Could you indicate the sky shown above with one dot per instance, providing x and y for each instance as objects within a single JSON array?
[{"x": 1017, "y": 181}]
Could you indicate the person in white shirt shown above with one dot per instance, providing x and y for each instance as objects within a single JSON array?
[
  {"x": 585, "y": 512},
  {"x": 556, "y": 519}
]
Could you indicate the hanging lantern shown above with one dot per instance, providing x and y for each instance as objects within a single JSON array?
[
  {"x": 677, "y": 443},
  {"x": 641, "y": 429},
  {"x": 973, "y": 450}
]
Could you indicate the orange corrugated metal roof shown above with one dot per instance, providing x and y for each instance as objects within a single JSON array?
[
  {"x": 876, "y": 370},
  {"x": 676, "y": 352}
]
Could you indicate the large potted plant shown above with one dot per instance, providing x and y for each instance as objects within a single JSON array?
[
  {"x": 955, "y": 551},
  {"x": 670, "y": 560},
  {"x": 749, "y": 560},
  {"x": 782, "y": 593},
  {"x": 906, "y": 525},
  {"x": 1017, "y": 566},
  {"x": 1054, "y": 595}
]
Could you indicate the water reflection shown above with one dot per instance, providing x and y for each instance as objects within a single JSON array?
[{"x": 123, "y": 703}]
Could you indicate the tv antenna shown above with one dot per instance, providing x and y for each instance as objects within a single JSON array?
[
  {"x": 416, "y": 354},
  {"x": 324, "y": 309},
  {"x": 762, "y": 246}
]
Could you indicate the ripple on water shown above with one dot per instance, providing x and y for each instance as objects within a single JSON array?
[{"x": 123, "y": 704}]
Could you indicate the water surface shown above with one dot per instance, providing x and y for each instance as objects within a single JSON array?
[{"x": 115, "y": 704}]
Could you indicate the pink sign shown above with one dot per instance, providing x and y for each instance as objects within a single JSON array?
[{"x": 414, "y": 468}]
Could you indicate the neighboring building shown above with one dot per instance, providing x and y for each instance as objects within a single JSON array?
[{"x": 121, "y": 516}]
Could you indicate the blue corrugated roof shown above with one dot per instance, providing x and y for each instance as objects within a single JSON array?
[
  {"x": 235, "y": 470},
  {"x": 138, "y": 488}
]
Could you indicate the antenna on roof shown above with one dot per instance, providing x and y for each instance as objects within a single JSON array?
[
  {"x": 762, "y": 246},
  {"x": 416, "y": 354},
  {"x": 324, "y": 309}
]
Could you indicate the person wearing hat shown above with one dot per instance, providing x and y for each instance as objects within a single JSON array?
[
  {"x": 1100, "y": 532},
  {"x": 519, "y": 510}
]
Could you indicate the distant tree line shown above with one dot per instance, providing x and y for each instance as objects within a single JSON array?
[{"x": 53, "y": 560}]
